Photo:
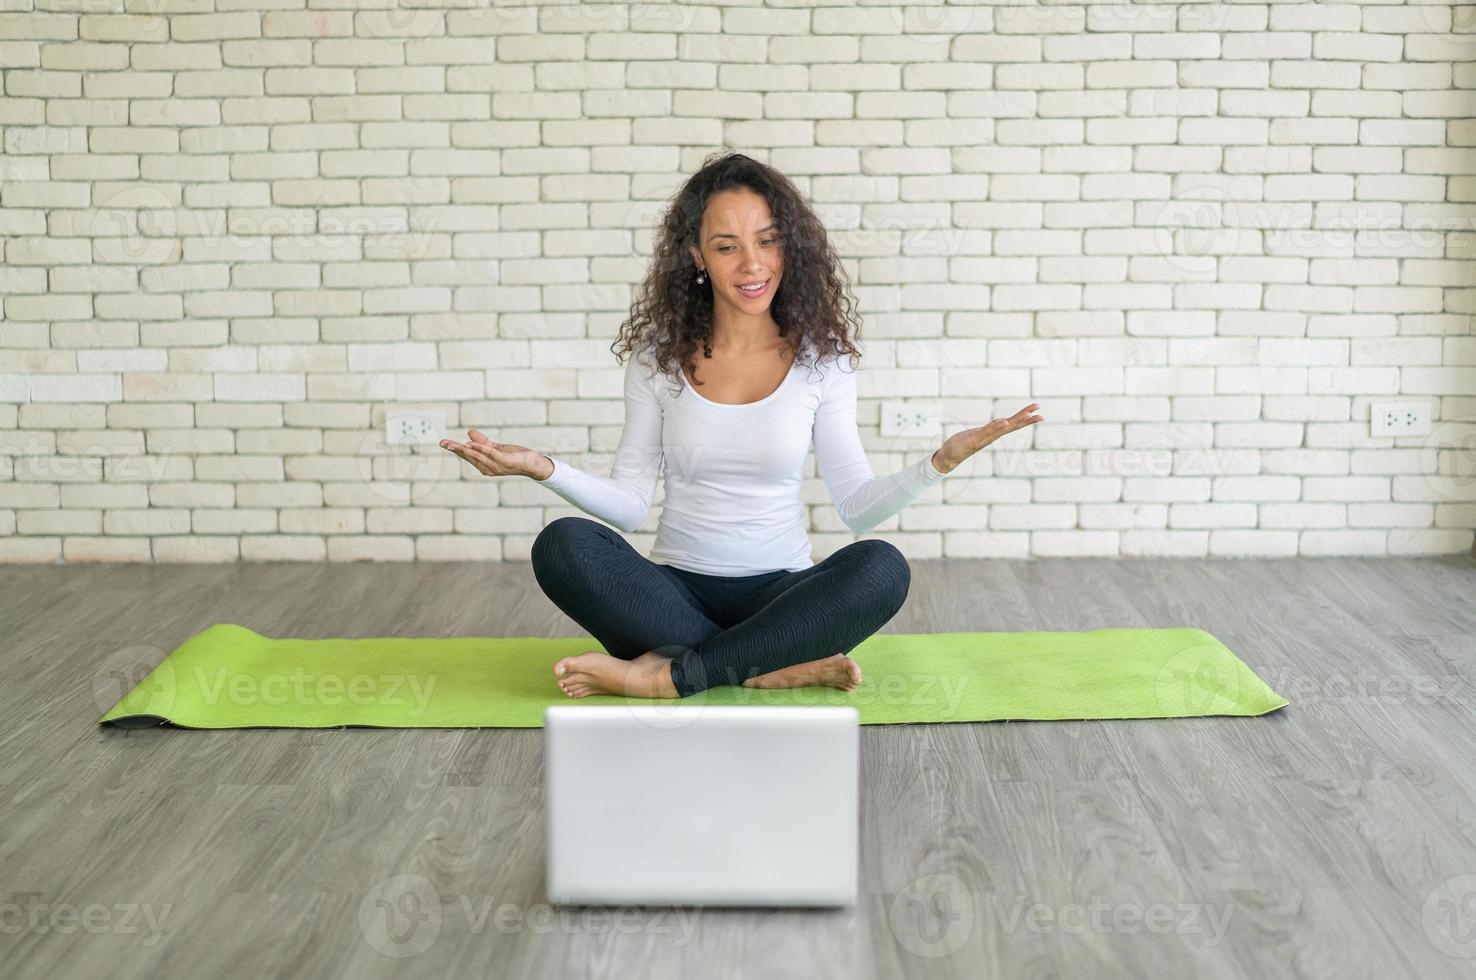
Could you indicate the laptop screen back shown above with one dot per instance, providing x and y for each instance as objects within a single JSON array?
[{"x": 702, "y": 805}]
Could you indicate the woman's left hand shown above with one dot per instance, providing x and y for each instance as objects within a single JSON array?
[{"x": 961, "y": 445}]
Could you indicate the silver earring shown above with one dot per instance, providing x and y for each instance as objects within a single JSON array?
[{"x": 700, "y": 280}]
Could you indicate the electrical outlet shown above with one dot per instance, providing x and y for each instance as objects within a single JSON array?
[
  {"x": 1400, "y": 418},
  {"x": 902, "y": 419},
  {"x": 414, "y": 427}
]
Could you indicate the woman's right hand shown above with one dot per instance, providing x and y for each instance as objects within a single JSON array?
[{"x": 500, "y": 458}]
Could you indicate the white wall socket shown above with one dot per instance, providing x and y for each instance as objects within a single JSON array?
[
  {"x": 1400, "y": 418},
  {"x": 414, "y": 427},
  {"x": 901, "y": 419}
]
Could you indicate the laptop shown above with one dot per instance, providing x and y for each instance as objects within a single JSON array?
[{"x": 720, "y": 805}]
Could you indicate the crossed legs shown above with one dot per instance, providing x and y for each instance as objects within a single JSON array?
[{"x": 668, "y": 633}]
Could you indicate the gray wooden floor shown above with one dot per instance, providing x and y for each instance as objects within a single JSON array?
[{"x": 1334, "y": 838}]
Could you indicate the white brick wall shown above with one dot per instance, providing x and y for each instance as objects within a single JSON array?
[{"x": 1205, "y": 237}]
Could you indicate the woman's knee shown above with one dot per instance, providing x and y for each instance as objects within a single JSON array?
[
  {"x": 561, "y": 537},
  {"x": 886, "y": 563}
]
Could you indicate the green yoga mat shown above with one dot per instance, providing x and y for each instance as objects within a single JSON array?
[{"x": 231, "y": 677}]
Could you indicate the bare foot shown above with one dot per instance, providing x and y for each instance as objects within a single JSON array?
[
  {"x": 596, "y": 672},
  {"x": 838, "y": 671}
]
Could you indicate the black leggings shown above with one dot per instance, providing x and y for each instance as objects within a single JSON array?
[{"x": 716, "y": 629}]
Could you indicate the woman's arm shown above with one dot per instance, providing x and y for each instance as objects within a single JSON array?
[
  {"x": 624, "y": 497},
  {"x": 862, "y": 499}
]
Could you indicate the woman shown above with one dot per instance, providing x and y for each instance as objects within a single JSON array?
[{"x": 744, "y": 270}]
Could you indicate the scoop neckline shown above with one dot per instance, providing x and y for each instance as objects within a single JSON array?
[{"x": 770, "y": 396}]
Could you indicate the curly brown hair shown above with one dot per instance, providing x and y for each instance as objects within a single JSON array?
[{"x": 672, "y": 312}]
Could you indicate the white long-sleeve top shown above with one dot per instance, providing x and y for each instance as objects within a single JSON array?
[{"x": 734, "y": 474}]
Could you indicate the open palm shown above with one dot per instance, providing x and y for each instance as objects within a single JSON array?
[
  {"x": 495, "y": 458},
  {"x": 961, "y": 445}
]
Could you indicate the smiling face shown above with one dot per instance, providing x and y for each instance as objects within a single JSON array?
[{"x": 741, "y": 251}]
